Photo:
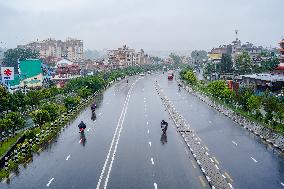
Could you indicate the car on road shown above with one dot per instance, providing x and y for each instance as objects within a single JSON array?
[
  {"x": 170, "y": 75},
  {"x": 142, "y": 74}
]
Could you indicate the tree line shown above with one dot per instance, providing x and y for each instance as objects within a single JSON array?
[
  {"x": 243, "y": 65},
  {"x": 266, "y": 108},
  {"x": 52, "y": 102}
]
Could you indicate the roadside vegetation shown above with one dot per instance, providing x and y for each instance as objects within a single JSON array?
[
  {"x": 46, "y": 107},
  {"x": 266, "y": 108}
]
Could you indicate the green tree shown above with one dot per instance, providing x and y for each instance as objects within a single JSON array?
[
  {"x": 84, "y": 92},
  {"x": 226, "y": 64},
  {"x": 53, "y": 110},
  {"x": 244, "y": 63},
  {"x": 176, "y": 58},
  {"x": 17, "y": 121},
  {"x": 11, "y": 56},
  {"x": 198, "y": 56},
  {"x": 217, "y": 88},
  {"x": 40, "y": 117},
  {"x": 70, "y": 102},
  {"x": 209, "y": 69},
  {"x": 269, "y": 65},
  {"x": 34, "y": 97},
  {"x": 190, "y": 77},
  {"x": 4, "y": 99},
  {"x": 5, "y": 124}
]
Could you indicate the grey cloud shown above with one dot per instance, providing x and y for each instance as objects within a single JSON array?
[{"x": 149, "y": 24}]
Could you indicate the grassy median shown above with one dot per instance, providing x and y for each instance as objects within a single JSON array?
[{"x": 5, "y": 145}]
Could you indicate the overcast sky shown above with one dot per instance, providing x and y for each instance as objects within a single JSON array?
[{"x": 148, "y": 24}]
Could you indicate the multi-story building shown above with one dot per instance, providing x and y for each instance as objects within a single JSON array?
[
  {"x": 125, "y": 56},
  {"x": 71, "y": 49}
]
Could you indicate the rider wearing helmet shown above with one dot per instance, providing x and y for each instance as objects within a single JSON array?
[{"x": 82, "y": 126}]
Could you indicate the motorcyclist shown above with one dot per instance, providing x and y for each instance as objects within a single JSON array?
[
  {"x": 94, "y": 106},
  {"x": 179, "y": 86},
  {"x": 82, "y": 126},
  {"x": 164, "y": 125}
]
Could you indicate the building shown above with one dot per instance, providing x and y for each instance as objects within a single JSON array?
[
  {"x": 71, "y": 49},
  {"x": 30, "y": 75},
  {"x": 235, "y": 49},
  {"x": 125, "y": 56},
  {"x": 65, "y": 70},
  {"x": 215, "y": 55},
  {"x": 186, "y": 60},
  {"x": 281, "y": 56},
  {"x": 261, "y": 82}
]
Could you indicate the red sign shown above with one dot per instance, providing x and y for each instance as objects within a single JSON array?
[{"x": 8, "y": 72}]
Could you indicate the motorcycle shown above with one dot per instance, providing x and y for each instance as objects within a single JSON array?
[{"x": 164, "y": 127}]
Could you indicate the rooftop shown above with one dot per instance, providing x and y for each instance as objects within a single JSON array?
[{"x": 265, "y": 77}]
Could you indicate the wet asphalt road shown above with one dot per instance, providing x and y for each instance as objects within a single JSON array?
[
  {"x": 249, "y": 162},
  {"x": 123, "y": 147}
]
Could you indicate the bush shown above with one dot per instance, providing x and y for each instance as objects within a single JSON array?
[
  {"x": 3, "y": 173},
  {"x": 12, "y": 166}
]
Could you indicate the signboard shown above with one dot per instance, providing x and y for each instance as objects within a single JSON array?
[{"x": 7, "y": 73}]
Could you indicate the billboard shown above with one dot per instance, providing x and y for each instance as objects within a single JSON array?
[{"x": 7, "y": 73}]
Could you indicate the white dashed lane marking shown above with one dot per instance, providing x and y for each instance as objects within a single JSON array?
[
  {"x": 155, "y": 185},
  {"x": 148, "y": 131},
  {"x": 150, "y": 144},
  {"x": 49, "y": 182},
  {"x": 67, "y": 157},
  {"x": 234, "y": 143},
  {"x": 282, "y": 183},
  {"x": 253, "y": 159},
  {"x": 152, "y": 161}
]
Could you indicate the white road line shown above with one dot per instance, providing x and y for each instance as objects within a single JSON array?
[
  {"x": 115, "y": 139},
  {"x": 155, "y": 185},
  {"x": 49, "y": 182},
  {"x": 67, "y": 157},
  {"x": 150, "y": 144},
  {"x": 112, "y": 142},
  {"x": 234, "y": 143},
  {"x": 148, "y": 131},
  {"x": 282, "y": 183},
  {"x": 88, "y": 130},
  {"x": 147, "y": 123},
  {"x": 152, "y": 161},
  {"x": 253, "y": 159}
]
